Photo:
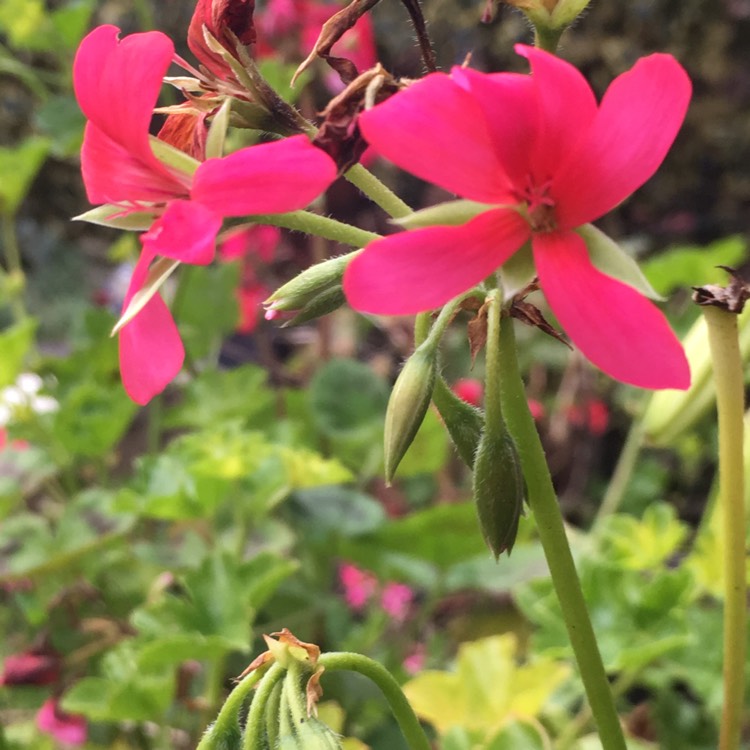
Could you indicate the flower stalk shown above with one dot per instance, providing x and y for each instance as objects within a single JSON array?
[
  {"x": 543, "y": 503},
  {"x": 727, "y": 365}
]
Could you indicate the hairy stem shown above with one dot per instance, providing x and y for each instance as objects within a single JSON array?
[
  {"x": 543, "y": 503},
  {"x": 407, "y": 720},
  {"x": 377, "y": 192},
  {"x": 320, "y": 226}
]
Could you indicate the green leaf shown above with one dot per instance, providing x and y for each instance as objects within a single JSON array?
[
  {"x": 347, "y": 398},
  {"x": 487, "y": 690},
  {"x": 339, "y": 510},
  {"x": 642, "y": 545},
  {"x": 18, "y": 168},
  {"x": 693, "y": 265},
  {"x": 611, "y": 259},
  {"x": 61, "y": 120},
  {"x": 15, "y": 344},
  {"x": 71, "y": 22},
  {"x": 22, "y": 20},
  {"x": 428, "y": 451},
  {"x": 219, "y": 395},
  {"x": 204, "y": 288},
  {"x": 92, "y": 418}
]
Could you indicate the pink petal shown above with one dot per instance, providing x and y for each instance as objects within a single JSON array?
[
  {"x": 112, "y": 174},
  {"x": 508, "y": 101},
  {"x": 266, "y": 179},
  {"x": 620, "y": 331},
  {"x": 420, "y": 270},
  {"x": 436, "y": 130},
  {"x": 566, "y": 106},
  {"x": 151, "y": 351},
  {"x": 70, "y": 729},
  {"x": 637, "y": 122},
  {"x": 117, "y": 83},
  {"x": 186, "y": 231}
]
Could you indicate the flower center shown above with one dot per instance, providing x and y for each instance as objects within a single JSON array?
[{"x": 540, "y": 206}]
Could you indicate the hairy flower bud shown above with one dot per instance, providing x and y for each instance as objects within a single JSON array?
[
  {"x": 308, "y": 286},
  {"x": 499, "y": 490},
  {"x": 463, "y": 421},
  {"x": 311, "y": 734},
  {"x": 407, "y": 406}
]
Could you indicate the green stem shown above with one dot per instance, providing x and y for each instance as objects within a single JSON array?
[
  {"x": 227, "y": 721},
  {"x": 623, "y": 472},
  {"x": 407, "y": 720},
  {"x": 255, "y": 726},
  {"x": 543, "y": 503},
  {"x": 422, "y": 325},
  {"x": 320, "y": 226},
  {"x": 546, "y": 38},
  {"x": 727, "y": 365},
  {"x": 493, "y": 407},
  {"x": 377, "y": 192}
]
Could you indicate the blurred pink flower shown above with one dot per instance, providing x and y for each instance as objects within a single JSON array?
[
  {"x": 69, "y": 729},
  {"x": 396, "y": 599},
  {"x": 30, "y": 668},
  {"x": 359, "y": 585},
  {"x": 546, "y": 159},
  {"x": 470, "y": 390},
  {"x": 414, "y": 662},
  {"x": 536, "y": 408}
]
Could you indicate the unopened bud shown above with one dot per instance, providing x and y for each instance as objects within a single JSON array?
[
  {"x": 311, "y": 734},
  {"x": 464, "y": 422},
  {"x": 326, "y": 302},
  {"x": 551, "y": 14},
  {"x": 223, "y": 737},
  {"x": 408, "y": 404},
  {"x": 309, "y": 285},
  {"x": 499, "y": 490}
]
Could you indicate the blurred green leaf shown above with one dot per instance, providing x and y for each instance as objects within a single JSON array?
[
  {"x": 338, "y": 510},
  {"x": 61, "y": 120},
  {"x": 238, "y": 394},
  {"x": 15, "y": 344},
  {"x": 18, "y": 168},
  {"x": 694, "y": 266}
]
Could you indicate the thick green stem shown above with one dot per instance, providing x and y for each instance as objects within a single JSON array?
[
  {"x": 543, "y": 503},
  {"x": 546, "y": 38},
  {"x": 727, "y": 365},
  {"x": 407, "y": 720},
  {"x": 255, "y": 726},
  {"x": 320, "y": 226},
  {"x": 623, "y": 472},
  {"x": 493, "y": 407},
  {"x": 228, "y": 719},
  {"x": 377, "y": 192}
]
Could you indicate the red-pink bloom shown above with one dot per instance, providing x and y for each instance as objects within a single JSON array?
[
  {"x": 69, "y": 729},
  {"x": 396, "y": 599},
  {"x": 359, "y": 585},
  {"x": 16, "y": 445},
  {"x": 30, "y": 668},
  {"x": 117, "y": 83},
  {"x": 536, "y": 408},
  {"x": 549, "y": 159},
  {"x": 470, "y": 390},
  {"x": 414, "y": 662},
  {"x": 249, "y": 245}
]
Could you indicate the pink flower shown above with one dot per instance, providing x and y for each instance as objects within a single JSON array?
[
  {"x": 117, "y": 83},
  {"x": 470, "y": 390},
  {"x": 30, "y": 668},
  {"x": 536, "y": 408},
  {"x": 414, "y": 662},
  {"x": 70, "y": 729},
  {"x": 250, "y": 245},
  {"x": 546, "y": 159},
  {"x": 359, "y": 585},
  {"x": 396, "y": 599}
]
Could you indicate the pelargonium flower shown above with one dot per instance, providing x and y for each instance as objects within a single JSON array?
[
  {"x": 545, "y": 159},
  {"x": 117, "y": 84},
  {"x": 69, "y": 729}
]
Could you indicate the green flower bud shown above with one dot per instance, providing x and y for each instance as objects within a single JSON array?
[
  {"x": 326, "y": 302},
  {"x": 307, "y": 286},
  {"x": 410, "y": 398},
  {"x": 464, "y": 422},
  {"x": 499, "y": 490},
  {"x": 310, "y": 734}
]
